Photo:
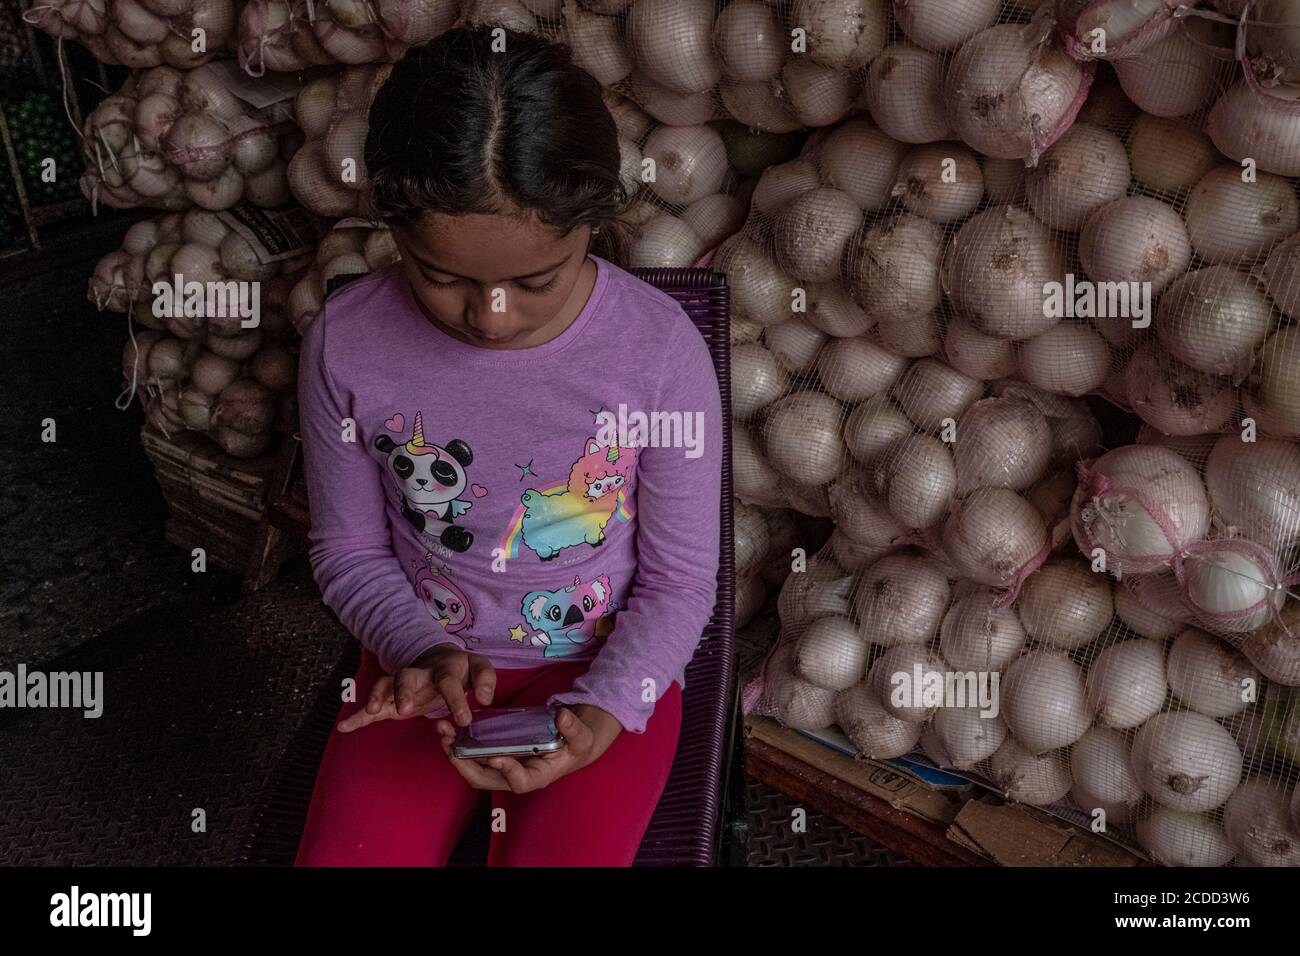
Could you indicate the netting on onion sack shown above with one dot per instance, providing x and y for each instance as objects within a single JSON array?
[
  {"x": 936, "y": 301},
  {"x": 141, "y": 33}
]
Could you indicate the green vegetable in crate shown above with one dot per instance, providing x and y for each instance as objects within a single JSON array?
[{"x": 40, "y": 132}]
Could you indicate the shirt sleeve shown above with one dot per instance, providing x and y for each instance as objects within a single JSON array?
[
  {"x": 351, "y": 549},
  {"x": 678, "y": 497}
]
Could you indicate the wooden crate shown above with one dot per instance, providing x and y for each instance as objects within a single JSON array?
[
  {"x": 215, "y": 502},
  {"x": 966, "y": 827}
]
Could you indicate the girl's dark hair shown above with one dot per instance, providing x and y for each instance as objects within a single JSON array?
[{"x": 458, "y": 128}]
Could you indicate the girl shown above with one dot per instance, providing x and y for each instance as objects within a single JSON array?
[{"x": 480, "y": 520}]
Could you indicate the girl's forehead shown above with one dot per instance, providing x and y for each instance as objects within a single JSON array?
[{"x": 480, "y": 246}]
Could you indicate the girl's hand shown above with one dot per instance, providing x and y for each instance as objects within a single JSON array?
[
  {"x": 588, "y": 731},
  {"x": 436, "y": 679}
]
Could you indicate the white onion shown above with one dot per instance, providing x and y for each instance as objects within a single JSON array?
[
  {"x": 995, "y": 270},
  {"x": 1254, "y": 487},
  {"x": 973, "y": 353},
  {"x": 781, "y": 184},
  {"x": 1064, "y": 604},
  {"x": 1025, "y": 777},
  {"x": 853, "y": 555},
  {"x": 749, "y": 41},
  {"x": 915, "y": 478},
  {"x": 1246, "y": 125},
  {"x": 1085, "y": 169},
  {"x": 871, "y": 427},
  {"x": 904, "y": 93},
  {"x": 941, "y": 182},
  {"x": 753, "y": 478},
  {"x": 1275, "y": 651},
  {"x": 1043, "y": 701},
  {"x": 914, "y": 336},
  {"x": 859, "y": 159},
  {"x": 799, "y": 704},
  {"x": 830, "y": 653},
  {"x": 961, "y": 737},
  {"x": 1142, "y": 619},
  {"x": 854, "y": 369},
  {"x": 690, "y": 162},
  {"x": 1175, "y": 399},
  {"x": 930, "y": 392},
  {"x": 760, "y": 289},
  {"x": 1186, "y": 761},
  {"x": 212, "y": 373},
  {"x": 1274, "y": 394},
  {"x": 714, "y": 218},
  {"x": 832, "y": 309},
  {"x": 1209, "y": 676},
  {"x": 1183, "y": 839},
  {"x": 992, "y": 535},
  {"x": 757, "y": 379},
  {"x": 1126, "y": 684},
  {"x": 892, "y": 679},
  {"x": 665, "y": 242},
  {"x": 1099, "y": 765},
  {"x": 900, "y": 599},
  {"x": 818, "y": 95},
  {"x": 977, "y": 635},
  {"x": 1281, "y": 276},
  {"x": 1257, "y": 822},
  {"x": 893, "y": 268},
  {"x": 672, "y": 42},
  {"x": 863, "y": 520},
  {"x": 690, "y": 109},
  {"x": 1010, "y": 88},
  {"x": 872, "y": 729},
  {"x": 811, "y": 233},
  {"x": 1213, "y": 320},
  {"x": 802, "y": 437},
  {"x": 1115, "y": 520},
  {"x": 842, "y": 36},
  {"x": 1169, "y": 156},
  {"x": 1230, "y": 221},
  {"x": 796, "y": 344},
  {"x": 943, "y": 24},
  {"x": 823, "y": 588},
  {"x": 1068, "y": 359},
  {"x": 1135, "y": 239},
  {"x": 1001, "y": 443},
  {"x": 1175, "y": 76},
  {"x": 1223, "y": 584}
]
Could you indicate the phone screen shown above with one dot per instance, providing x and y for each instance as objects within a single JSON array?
[{"x": 515, "y": 727}]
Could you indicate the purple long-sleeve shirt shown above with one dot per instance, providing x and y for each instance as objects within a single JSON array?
[{"x": 506, "y": 501}]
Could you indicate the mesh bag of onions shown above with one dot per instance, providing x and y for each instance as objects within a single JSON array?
[
  {"x": 173, "y": 139},
  {"x": 1020, "y": 319},
  {"x": 140, "y": 33},
  {"x": 205, "y": 373}
]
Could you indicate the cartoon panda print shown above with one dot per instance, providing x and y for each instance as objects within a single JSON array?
[{"x": 431, "y": 479}]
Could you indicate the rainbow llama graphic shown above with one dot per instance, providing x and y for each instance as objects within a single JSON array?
[{"x": 561, "y": 516}]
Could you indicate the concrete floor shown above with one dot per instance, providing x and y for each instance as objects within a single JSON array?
[{"x": 204, "y": 687}]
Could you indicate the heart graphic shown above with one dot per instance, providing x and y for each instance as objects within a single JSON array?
[
  {"x": 479, "y": 490},
  {"x": 396, "y": 423}
]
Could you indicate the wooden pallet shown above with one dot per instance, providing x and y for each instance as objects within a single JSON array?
[
  {"x": 966, "y": 827},
  {"x": 214, "y": 501}
]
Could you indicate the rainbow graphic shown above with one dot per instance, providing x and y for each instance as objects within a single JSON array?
[{"x": 515, "y": 530}]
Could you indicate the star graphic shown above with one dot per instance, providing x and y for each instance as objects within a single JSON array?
[
  {"x": 518, "y": 633},
  {"x": 526, "y": 469}
]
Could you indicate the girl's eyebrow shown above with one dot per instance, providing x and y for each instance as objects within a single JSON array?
[{"x": 531, "y": 275}]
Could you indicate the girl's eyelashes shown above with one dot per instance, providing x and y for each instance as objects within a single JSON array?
[{"x": 533, "y": 289}]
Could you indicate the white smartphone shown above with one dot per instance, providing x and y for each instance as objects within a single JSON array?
[{"x": 509, "y": 732}]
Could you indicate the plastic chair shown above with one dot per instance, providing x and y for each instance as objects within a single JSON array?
[{"x": 700, "y": 819}]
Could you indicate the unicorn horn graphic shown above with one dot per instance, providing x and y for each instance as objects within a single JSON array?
[
  {"x": 416, "y": 445},
  {"x": 612, "y": 453}
]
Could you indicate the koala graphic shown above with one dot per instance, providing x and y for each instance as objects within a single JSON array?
[
  {"x": 431, "y": 479},
  {"x": 564, "y": 620},
  {"x": 580, "y": 511}
]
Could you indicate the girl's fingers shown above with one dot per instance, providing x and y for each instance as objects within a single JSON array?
[
  {"x": 380, "y": 691},
  {"x": 483, "y": 678},
  {"x": 483, "y": 778},
  {"x": 453, "y": 693}
]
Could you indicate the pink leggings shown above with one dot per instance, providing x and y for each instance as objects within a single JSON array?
[{"x": 386, "y": 795}]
